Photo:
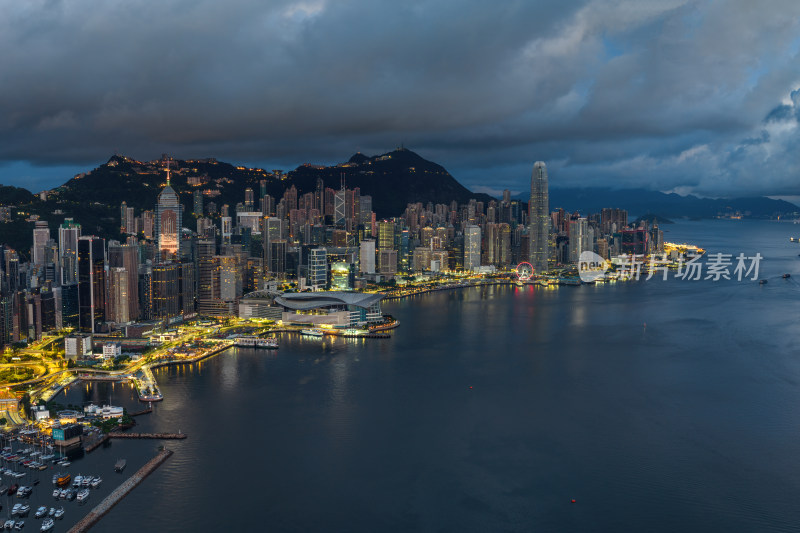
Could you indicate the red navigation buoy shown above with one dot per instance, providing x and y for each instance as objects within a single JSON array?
[{"x": 470, "y": 386}]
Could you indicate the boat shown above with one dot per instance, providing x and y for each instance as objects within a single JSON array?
[
  {"x": 251, "y": 341},
  {"x": 15, "y": 509},
  {"x": 40, "y": 512},
  {"x": 83, "y": 495},
  {"x": 23, "y": 509},
  {"x": 70, "y": 495},
  {"x": 9, "y": 524},
  {"x": 312, "y": 332},
  {"x": 119, "y": 466},
  {"x": 62, "y": 494},
  {"x": 63, "y": 480},
  {"x": 19, "y": 525},
  {"x": 48, "y": 524},
  {"x": 59, "y": 513},
  {"x": 96, "y": 482},
  {"x": 12, "y": 489},
  {"x": 762, "y": 282},
  {"x": 77, "y": 481},
  {"x": 51, "y": 512},
  {"x": 56, "y": 493},
  {"x": 794, "y": 239},
  {"x": 786, "y": 276}
]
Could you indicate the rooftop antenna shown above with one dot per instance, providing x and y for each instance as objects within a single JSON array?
[{"x": 168, "y": 161}]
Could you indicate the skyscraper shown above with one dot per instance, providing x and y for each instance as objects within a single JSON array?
[
  {"x": 539, "y": 210},
  {"x": 127, "y": 256},
  {"x": 91, "y": 283},
  {"x": 168, "y": 220},
  {"x": 118, "y": 296},
  {"x": 68, "y": 234},
  {"x": 472, "y": 247},
  {"x": 41, "y": 234}
]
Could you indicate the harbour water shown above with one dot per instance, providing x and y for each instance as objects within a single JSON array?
[{"x": 655, "y": 405}]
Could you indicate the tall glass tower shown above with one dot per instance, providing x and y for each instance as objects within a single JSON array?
[
  {"x": 539, "y": 210},
  {"x": 168, "y": 220}
]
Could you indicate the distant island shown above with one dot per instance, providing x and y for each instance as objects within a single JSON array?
[{"x": 651, "y": 219}]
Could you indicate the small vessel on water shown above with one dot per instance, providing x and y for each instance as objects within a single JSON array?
[
  {"x": 59, "y": 513},
  {"x": 40, "y": 512},
  {"x": 786, "y": 276},
  {"x": 48, "y": 524},
  {"x": 762, "y": 282},
  {"x": 96, "y": 482},
  {"x": 312, "y": 332},
  {"x": 63, "y": 480},
  {"x": 83, "y": 495},
  {"x": 251, "y": 341},
  {"x": 120, "y": 465}
]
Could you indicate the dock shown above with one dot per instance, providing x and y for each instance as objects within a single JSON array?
[
  {"x": 118, "y": 435},
  {"x": 120, "y": 492},
  {"x": 115, "y": 435}
]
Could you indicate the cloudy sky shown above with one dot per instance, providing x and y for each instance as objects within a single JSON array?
[{"x": 687, "y": 96}]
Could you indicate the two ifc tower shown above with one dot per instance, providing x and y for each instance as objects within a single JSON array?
[{"x": 539, "y": 217}]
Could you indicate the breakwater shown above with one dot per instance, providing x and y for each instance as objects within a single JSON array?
[{"x": 120, "y": 492}]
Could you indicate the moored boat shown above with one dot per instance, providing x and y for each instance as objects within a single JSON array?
[
  {"x": 312, "y": 332},
  {"x": 251, "y": 341},
  {"x": 119, "y": 466}
]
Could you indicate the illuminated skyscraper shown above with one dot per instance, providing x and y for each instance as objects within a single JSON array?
[
  {"x": 168, "y": 220},
  {"x": 68, "y": 234},
  {"x": 472, "y": 247},
  {"x": 41, "y": 234},
  {"x": 127, "y": 256},
  {"x": 539, "y": 210},
  {"x": 91, "y": 283}
]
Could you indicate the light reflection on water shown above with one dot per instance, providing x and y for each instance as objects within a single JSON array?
[{"x": 691, "y": 423}]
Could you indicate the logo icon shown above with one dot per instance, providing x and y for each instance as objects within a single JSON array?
[{"x": 591, "y": 266}]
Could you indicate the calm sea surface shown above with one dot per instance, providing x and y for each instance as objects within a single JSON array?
[{"x": 655, "y": 405}]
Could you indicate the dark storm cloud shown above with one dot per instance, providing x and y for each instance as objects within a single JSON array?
[{"x": 669, "y": 95}]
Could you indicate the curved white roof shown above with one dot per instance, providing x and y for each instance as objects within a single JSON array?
[{"x": 303, "y": 301}]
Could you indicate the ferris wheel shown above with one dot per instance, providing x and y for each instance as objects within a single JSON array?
[{"x": 524, "y": 271}]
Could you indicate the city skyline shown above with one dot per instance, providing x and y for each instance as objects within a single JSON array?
[{"x": 693, "y": 97}]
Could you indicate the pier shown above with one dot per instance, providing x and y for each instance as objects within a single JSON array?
[
  {"x": 115, "y": 435},
  {"x": 142, "y": 412},
  {"x": 120, "y": 492},
  {"x": 118, "y": 435}
]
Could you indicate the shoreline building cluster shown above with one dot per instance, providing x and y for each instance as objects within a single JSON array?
[{"x": 323, "y": 239}]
